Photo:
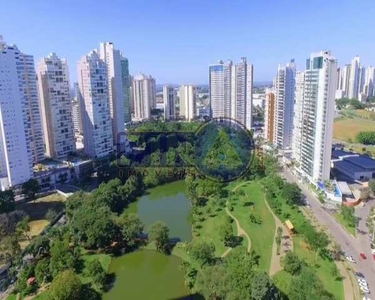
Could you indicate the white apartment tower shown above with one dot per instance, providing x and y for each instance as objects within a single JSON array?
[
  {"x": 117, "y": 90},
  {"x": 188, "y": 94},
  {"x": 231, "y": 89},
  {"x": 369, "y": 82},
  {"x": 344, "y": 80},
  {"x": 144, "y": 96},
  {"x": 354, "y": 78},
  {"x": 314, "y": 116},
  {"x": 56, "y": 108},
  {"x": 298, "y": 115},
  {"x": 19, "y": 117},
  {"x": 284, "y": 96},
  {"x": 169, "y": 97},
  {"x": 96, "y": 116}
]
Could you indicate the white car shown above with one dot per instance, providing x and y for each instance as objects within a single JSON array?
[
  {"x": 372, "y": 251},
  {"x": 365, "y": 298},
  {"x": 363, "y": 281},
  {"x": 350, "y": 258},
  {"x": 364, "y": 289}
]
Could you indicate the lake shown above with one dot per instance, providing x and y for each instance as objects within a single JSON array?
[
  {"x": 167, "y": 203},
  {"x": 149, "y": 274}
]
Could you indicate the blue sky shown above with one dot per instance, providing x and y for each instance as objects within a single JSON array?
[{"x": 176, "y": 40}]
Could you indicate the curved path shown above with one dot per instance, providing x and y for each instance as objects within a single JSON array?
[{"x": 286, "y": 244}]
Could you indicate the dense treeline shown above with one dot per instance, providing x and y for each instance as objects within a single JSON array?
[{"x": 366, "y": 137}]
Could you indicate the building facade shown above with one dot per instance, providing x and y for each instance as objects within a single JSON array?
[
  {"x": 188, "y": 95},
  {"x": 298, "y": 116},
  {"x": 354, "y": 78},
  {"x": 19, "y": 117},
  {"x": 95, "y": 112},
  {"x": 56, "y": 108},
  {"x": 169, "y": 97},
  {"x": 144, "y": 96},
  {"x": 316, "y": 119},
  {"x": 231, "y": 91},
  {"x": 284, "y": 102},
  {"x": 269, "y": 116}
]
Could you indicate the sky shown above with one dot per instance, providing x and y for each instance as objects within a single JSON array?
[{"x": 176, "y": 40}]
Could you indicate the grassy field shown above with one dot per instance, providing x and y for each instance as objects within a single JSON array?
[
  {"x": 346, "y": 129},
  {"x": 37, "y": 210},
  {"x": 344, "y": 223},
  {"x": 282, "y": 281},
  {"x": 104, "y": 259},
  {"x": 261, "y": 235}
]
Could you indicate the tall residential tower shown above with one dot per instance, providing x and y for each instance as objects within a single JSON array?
[{"x": 144, "y": 96}]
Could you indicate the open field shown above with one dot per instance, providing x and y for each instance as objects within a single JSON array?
[
  {"x": 346, "y": 129},
  {"x": 261, "y": 235},
  {"x": 37, "y": 210}
]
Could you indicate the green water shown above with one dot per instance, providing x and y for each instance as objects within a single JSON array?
[
  {"x": 166, "y": 203},
  {"x": 147, "y": 275}
]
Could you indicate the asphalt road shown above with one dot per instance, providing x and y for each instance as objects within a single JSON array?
[{"x": 349, "y": 244}]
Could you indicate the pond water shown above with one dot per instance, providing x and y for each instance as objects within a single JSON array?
[
  {"x": 167, "y": 203},
  {"x": 149, "y": 274}
]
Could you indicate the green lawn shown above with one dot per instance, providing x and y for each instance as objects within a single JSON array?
[
  {"x": 41, "y": 296},
  {"x": 282, "y": 281},
  {"x": 344, "y": 223},
  {"x": 209, "y": 231},
  {"x": 104, "y": 259},
  {"x": 12, "y": 297},
  {"x": 261, "y": 235},
  {"x": 322, "y": 267}
]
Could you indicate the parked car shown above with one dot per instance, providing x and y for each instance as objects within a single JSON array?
[
  {"x": 364, "y": 289},
  {"x": 365, "y": 298},
  {"x": 362, "y": 255},
  {"x": 362, "y": 281},
  {"x": 359, "y": 274},
  {"x": 372, "y": 251},
  {"x": 350, "y": 258}
]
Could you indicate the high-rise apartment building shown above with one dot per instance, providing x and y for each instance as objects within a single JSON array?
[
  {"x": 361, "y": 79},
  {"x": 369, "y": 81},
  {"x": 21, "y": 141},
  {"x": 269, "y": 116},
  {"x": 188, "y": 95},
  {"x": 298, "y": 115},
  {"x": 231, "y": 91},
  {"x": 344, "y": 79},
  {"x": 169, "y": 98},
  {"x": 118, "y": 92},
  {"x": 284, "y": 102},
  {"x": 144, "y": 96},
  {"x": 126, "y": 86},
  {"x": 315, "y": 111},
  {"x": 56, "y": 108},
  {"x": 354, "y": 78},
  {"x": 96, "y": 116}
]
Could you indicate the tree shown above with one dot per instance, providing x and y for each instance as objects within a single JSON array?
[
  {"x": 292, "y": 263},
  {"x": 371, "y": 185},
  {"x": 42, "y": 271},
  {"x": 348, "y": 215},
  {"x": 98, "y": 274},
  {"x": 226, "y": 233},
  {"x": 8, "y": 222},
  {"x": 39, "y": 245},
  {"x": 62, "y": 257},
  {"x": 66, "y": 286},
  {"x": 6, "y": 201},
  {"x": 74, "y": 202},
  {"x": 202, "y": 252},
  {"x": 21, "y": 284},
  {"x": 291, "y": 193},
  {"x": 366, "y": 137},
  {"x": 92, "y": 226},
  {"x": 50, "y": 214},
  {"x": 10, "y": 247},
  {"x": 262, "y": 287},
  {"x": 30, "y": 188},
  {"x": 159, "y": 233},
  {"x": 131, "y": 229},
  {"x": 23, "y": 228}
]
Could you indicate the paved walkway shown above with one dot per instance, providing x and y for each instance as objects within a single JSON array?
[{"x": 286, "y": 244}]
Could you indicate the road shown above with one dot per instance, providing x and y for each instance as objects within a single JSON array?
[{"x": 348, "y": 243}]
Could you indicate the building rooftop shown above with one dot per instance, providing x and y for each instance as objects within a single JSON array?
[
  {"x": 340, "y": 153},
  {"x": 350, "y": 167},
  {"x": 362, "y": 161}
]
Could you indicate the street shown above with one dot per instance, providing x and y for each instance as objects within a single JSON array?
[{"x": 349, "y": 244}]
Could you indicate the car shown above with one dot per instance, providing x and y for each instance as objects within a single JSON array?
[
  {"x": 359, "y": 274},
  {"x": 362, "y": 284},
  {"x": 350, "y": 258},
  {"x": 362, "y": 255},
  {"x": 362, "y": 280},
  {"x": 364, "y": 289},
  {"x": 365, "y": 298}
]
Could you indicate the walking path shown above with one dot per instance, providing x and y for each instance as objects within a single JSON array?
[
  {"x": 286, "y": 244},
  {"x": 240, "y": 230}
]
